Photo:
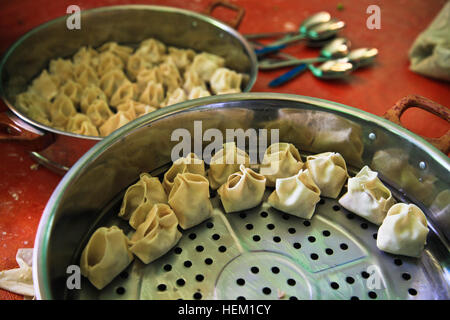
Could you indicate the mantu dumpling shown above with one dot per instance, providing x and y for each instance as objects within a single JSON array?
[
  {"x": 191, "y": 163},
  {"x": 189, "y": 199},
  {"x": 81, "y": 124},
  {"x": 125, "y": 92},
  {"x": 367, "y": 196},
  {"x": 61, "y": 110},
  {"x": 243, "y": 190},
  {"x": 156, "y": 235},
  {"x": 224, "y": 80},
  {"x": 181, "y": 57},
  {"x": 45, "y": 86},
  {"x": 140, "y": 198},
  {"x": 296, "y": 195},
  {"x": 114, "y": 122},
  {"x": 105, "y": 256},
  {"x": 329, "y": 172},
  {"x": 281, "y": 160},
  {"x": 153, "y": 94},
  {"x": 99, "y": 112},
  {"x": 89, "y": 95},
  {"x": 176, "y": 96},
  {"x": 403, "y": 231},
  {"x": 205, "y": 64},
  {"x": 198, "y": 92},
  {"x": 225, "y": 162}
]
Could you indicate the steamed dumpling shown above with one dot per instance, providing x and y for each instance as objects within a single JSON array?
[
  {"x": 114, "y": 122},
  {"x": 189, "y": 199},
  {"x": 225, "y": 80},
  {"x": 329, "y": 172},
  {"x": 105, "y": 256},
  {"x": 205, "y": 64},
  {"x": 243, "y": 190},
  {"x": 403, "y": 231},
  {"x": 81, "y": 124},
  {"x": 367, "y": 196},
  {"x": 191, "y": 164},
  {"x": 225, "y": 162},
  {"x": 296, "y": 195},
  {"x": 281, "y": 160},
  {"x": 140, "y": 198},
  {"x": 156, "y": 235}
]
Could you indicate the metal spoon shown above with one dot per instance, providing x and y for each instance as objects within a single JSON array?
[
  {"x": 318, "y": 32},
  {"x": 337, "y": 48},
  {"x": 332, "y": 69}
]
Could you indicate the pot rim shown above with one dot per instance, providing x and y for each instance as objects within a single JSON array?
[
  {"x": 40, "y": 266},
  {"x": 221, "y": 25}
]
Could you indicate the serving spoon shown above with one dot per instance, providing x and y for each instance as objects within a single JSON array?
[
  {"x": 332, "y": 69},
  {"x": 317, "y": 32},
  {"x": 337, "y": 48}
]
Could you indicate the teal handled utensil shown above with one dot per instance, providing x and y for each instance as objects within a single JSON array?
[
  {"x": 318, "y": 32},
  {"x": 337, "y": 48},
  {"x": 332, "y": 69}
]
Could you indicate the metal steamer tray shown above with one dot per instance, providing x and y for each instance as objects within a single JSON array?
[{"x": 260, "y": 253}]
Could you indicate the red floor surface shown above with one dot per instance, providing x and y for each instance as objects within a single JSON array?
[{"x": 24, "y": 192}]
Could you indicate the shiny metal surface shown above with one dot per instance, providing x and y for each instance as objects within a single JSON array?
[
  {"x": 127, "y": 24},
  {"x": 90, "y": 192}
]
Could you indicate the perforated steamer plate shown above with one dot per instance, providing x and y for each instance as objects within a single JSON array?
[{"x": 263, "y": 253}]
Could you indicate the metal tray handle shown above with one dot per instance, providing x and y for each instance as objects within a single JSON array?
[
  {"x": 240, "y": 12},
  {"x": 394, "y": 114},
  {"x": 12, "y": 128}
]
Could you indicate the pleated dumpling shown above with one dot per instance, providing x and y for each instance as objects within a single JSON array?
[
  {"x": 403, "y": 231},
  {"x": 108, "y": 61},
  {"x": 99, "y": 112},
  {"x": 192, "y": 80},
  {"x": 153, "y": 94},
  {"x": 45, "y": 86},
  {"x": 329, "y": 172},
  {"x": 191, "y": 163},
  {"x": 85, "y": 75},
  {"x": 123, "y": 52},
  {"x": 224, "y": 80},
  {"x": 114, "y": 122},
  {"x": 140, "y": 198},
  {"x": 181, "y": 57},
  {"x": 81, "y": 124},
  {"x": 243, "y": 190},
  {"x": 189, "y": 199},
  {"x": 111, "y": 81},
  {"x": 125, "y": 92},
  {"x": 281, "y": 160},
  {"x": 226, "y": 162},
  {"x": 105, "y": 256},
  {"x": 156, "y": 235},
  {"x": 198, "y": 92},
  {"x": 296, "y": 195},
  {"x": 62, "y": 109},
  {"x": 72, "y": 90},
  {"x": 170, "y": 76},
  {"x": 367, "y": 196},
  {"x": 176, "y": 96},
  {"x": 205, "y": 64},
  {"x": 89, "y": 95},
  {"x": 135, "y": 109}
]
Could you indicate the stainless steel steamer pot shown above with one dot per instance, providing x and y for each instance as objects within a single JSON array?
[
  {"x": 127, "y": 24},
  {"x": 259, "y": 253}
]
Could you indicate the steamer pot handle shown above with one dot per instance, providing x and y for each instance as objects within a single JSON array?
[
  {"x": 394, "y": 114},
  {"x": 12, "y": 128},
  {"x": 222, "y": 3}
]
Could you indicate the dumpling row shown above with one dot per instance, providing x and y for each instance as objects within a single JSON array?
[
  {"x": 155, "y": 209},
  {"x": 99, "y": 90}
]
